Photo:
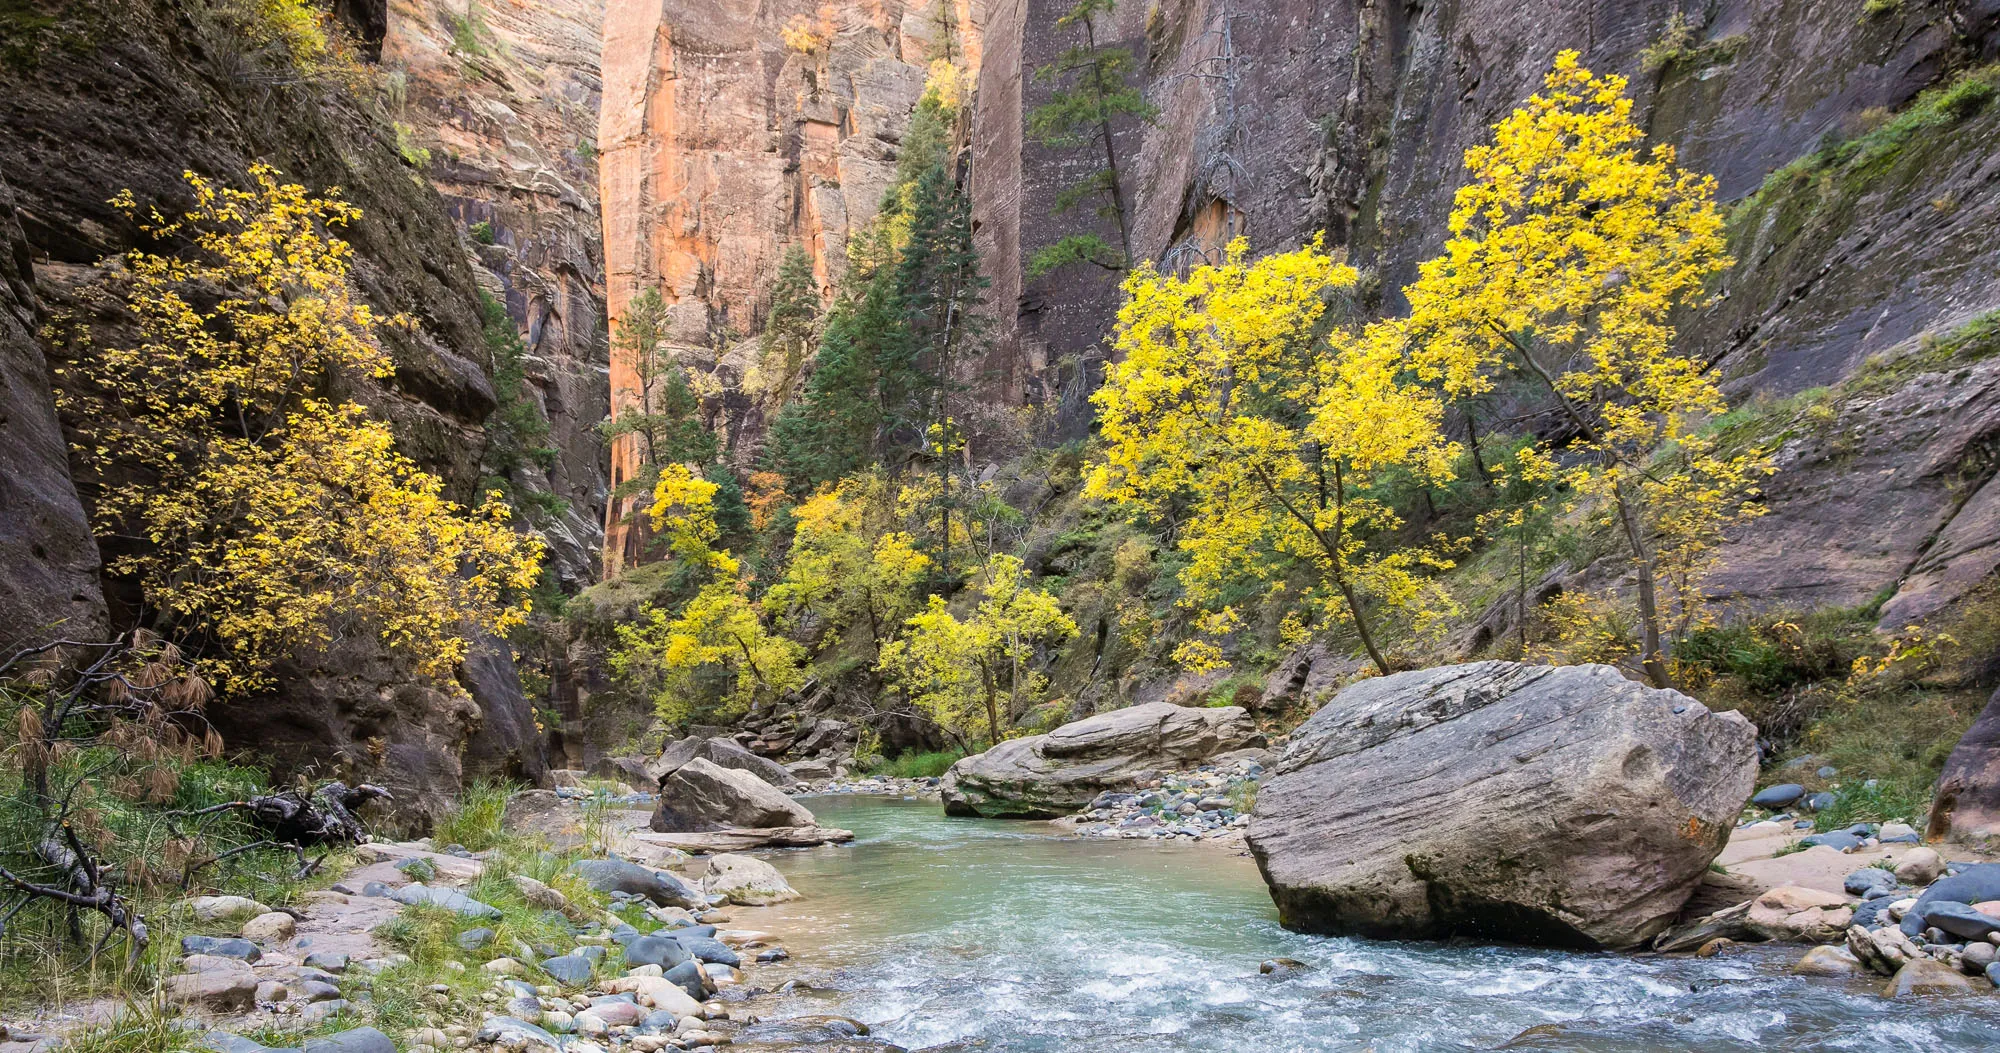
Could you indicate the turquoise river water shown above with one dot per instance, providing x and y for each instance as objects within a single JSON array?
[{"x": 955, "y": 934}]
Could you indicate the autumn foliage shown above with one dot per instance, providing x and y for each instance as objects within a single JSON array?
[{"x": 270, "y": 516}]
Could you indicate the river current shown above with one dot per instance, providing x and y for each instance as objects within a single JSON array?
[{"x": 959, "y": 934}]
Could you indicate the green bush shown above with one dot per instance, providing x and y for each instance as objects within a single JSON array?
[{"x": 918, "y": 765}]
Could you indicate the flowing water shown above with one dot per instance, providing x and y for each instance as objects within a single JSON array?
[{"x": 957, "y": 934}]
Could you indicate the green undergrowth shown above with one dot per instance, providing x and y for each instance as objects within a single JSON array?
[
  {"x": 122, "y": 781},
  {"x": 917, "y": 765}
]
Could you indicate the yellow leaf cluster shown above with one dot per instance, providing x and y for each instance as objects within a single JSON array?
[
  {"x": 845, "y": 567},
  {"x": 953, "y": 668},
  {"x": 717, "y": 646},
  {"x": 1226, "y": 400},
  {"x": 274, "y": 521}
]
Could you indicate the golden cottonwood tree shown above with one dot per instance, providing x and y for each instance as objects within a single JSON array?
[
  {"x": 845, "y": 567},
  {"x": 716, "y": 653},
  {"x": 271, "y": 519},
  {"x": 1569, "y": 250},
  {"x": 1224, "y": 398},
  {"x": 952, "y": 669}
]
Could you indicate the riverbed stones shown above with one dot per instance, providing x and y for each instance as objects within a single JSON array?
[
  {"x": 221, "y": 947},
  {"x": 701, "y": 795},
  {"x": 1836, "y": 962},
  {"x": 571, "y": 969},
  {"x": 274, "y": 926},
  {"x": 662, "y": 951},
  {"x": 1972, "y": 884},
  {"x": 1052, "y": 775},
  {"x": 217, "y": 910},
  {"x": 1961, "y": 920},
  {"x": 1783, "y": 795},
  {"x": 1533, "y": 804},
  {"x": 221, "y": 990},
  {"x": 1869, "y": 880},
  {"x": 451, "y": 899},
  {"x": 356, "y": 1040},
  {"x": 746, "y": 881}
]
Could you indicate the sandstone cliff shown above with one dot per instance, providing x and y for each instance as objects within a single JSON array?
[{"x": 723, "y": 144}]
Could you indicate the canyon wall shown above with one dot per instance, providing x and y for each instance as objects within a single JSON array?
[
  {"x": 723, "y": 145},
  {"x": 129, "y": 94}
]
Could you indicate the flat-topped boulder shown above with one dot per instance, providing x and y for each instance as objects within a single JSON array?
[
  {"x": 1046, "y": 776},
  {"x": 1564, "y": 806},
  {"x": 702, "y": 795},
  {"x": 721, "y": 752}
]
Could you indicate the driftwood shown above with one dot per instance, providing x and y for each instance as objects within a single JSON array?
[{"x": 296, "y": 821}]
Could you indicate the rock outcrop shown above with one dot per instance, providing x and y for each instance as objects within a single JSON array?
[
  {"x": 1967, "y": 805},
  {"x": 1564, "y": 806},
  {"x": 1046, "y": 776},
  {"x": 722, "y": 753}
]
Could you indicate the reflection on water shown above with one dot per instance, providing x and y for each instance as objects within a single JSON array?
[{"x": 959, "y": 934}]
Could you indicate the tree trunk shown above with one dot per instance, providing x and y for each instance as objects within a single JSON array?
[
  {"x": 1650, "y": 654},
  {"x": 992, "y": 705}
]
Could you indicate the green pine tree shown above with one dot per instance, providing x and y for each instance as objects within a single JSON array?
[
  {"x": 789, "y": 328},
  {"x": 664, "y": 411},
  {"x": 1090, "y": 94}
]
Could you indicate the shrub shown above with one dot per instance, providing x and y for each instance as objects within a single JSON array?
[
  {"x": 477, "y": 822},
  {"x": 918, "y": 765}
]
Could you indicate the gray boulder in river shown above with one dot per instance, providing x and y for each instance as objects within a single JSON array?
[
  {"x": 722, "y": 753},
  {"x": 1566, "y": 806},
  {"x": 1045, "y": 776},
  {"x": 702, "y": 795}
]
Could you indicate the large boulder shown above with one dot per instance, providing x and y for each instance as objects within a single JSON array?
[
  {"x": 1967, "y": 804},
  {"x": 1565, "y": 806},
  {"x": 1046, "y": 776},
  {"x": 703, "y": 795},
  {"x": 721, "y": 752}
]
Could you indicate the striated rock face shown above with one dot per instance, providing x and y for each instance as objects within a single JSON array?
[
  {"x": 1046, "y": 776},
  {"x": 503, "y": 99},
  {"x": 721, "y": 146},
  {"x": 48, "y": 559},
  {"x": 1533, "y": 804}
]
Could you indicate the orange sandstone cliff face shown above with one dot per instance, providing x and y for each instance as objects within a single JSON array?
[{"x": 728, "y": 133}]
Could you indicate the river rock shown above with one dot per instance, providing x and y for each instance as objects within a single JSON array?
[
  {"x": 276, "y": 925},
  {"x": 702, "y": 795},
  {"x": 1868, "y": 879},
  {"x": 511, "y": 1033},
  {"x": 1783, "y": 795},
  {"x": 357, "y": 1040},
  {"x": 723, "y": 753},
  {"x": 221, "y": 947},
  {"x": 746, "y": 881},
  {"x": 213, "y": 910},
  {"x": 1046, "y": 776},
  {"x": 1966, "y": 807},
  {"x": 708, "y": 949},
  {"x": 450, "y": 899},
  {"x": 1960, "y": 920},
  {"x": 1829, "y": 961},
  {"x": 1791, "y": 914},
  {"x": 1533, "y": 804},
  {"x": 571, "y": 969},
  {"x": 657, "y": 992},
  {"x": 689, "y": 977},
  {"x": 663, "y": 951},
  {"x": 217, "y": 990},
  {"x": 617, "y": 875},
  {"x": 1924, "y": 976},
  {"x": 810, "y": 770},
  {"x": 1919, "y": 866}
]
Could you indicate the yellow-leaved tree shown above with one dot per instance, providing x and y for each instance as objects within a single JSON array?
[
  {"x": 1225, "y": 399},
  {"x": 846, "y": 566},
  {"x": 952, "y": 669},
  {"x": 1569, "y": 250},
  {"x": 716, "y": 656},
  {"x": 267, "y": 516}
]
